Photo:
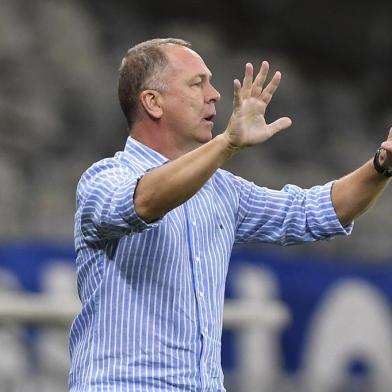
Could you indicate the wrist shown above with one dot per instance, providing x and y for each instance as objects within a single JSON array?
[
  {"x": 227, "y": 144},
  {"x": 378, "y": 166},
  {"x": 230, "y": 145}
]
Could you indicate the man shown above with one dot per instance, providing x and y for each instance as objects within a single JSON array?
[{"x": 156, "y": 223}]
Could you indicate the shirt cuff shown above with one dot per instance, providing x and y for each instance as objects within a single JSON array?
[
  {"x": 333, "y": 223},
  {"x": 123, "y": 202}
]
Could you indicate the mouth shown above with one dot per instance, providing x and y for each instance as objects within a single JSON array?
[{"x": 209, "y": 118}]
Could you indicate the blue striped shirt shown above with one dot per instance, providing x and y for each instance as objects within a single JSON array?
[{"x": 153, "y": 294}]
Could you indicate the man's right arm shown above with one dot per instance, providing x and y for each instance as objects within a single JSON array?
[{"x": 170, "y": 185}]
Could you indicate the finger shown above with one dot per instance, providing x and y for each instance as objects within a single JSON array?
[
  {"x": 269, "y": 91},
  {"x": 279, "y": 125},
  {"x": 260, "y": 79},
  {"x": 237, "y": 95},
  {"x": 387, "y": 146},
  {"x": 248, "y": 79}
]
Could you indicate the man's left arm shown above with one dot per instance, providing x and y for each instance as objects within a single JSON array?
[{"x": 353, "y": 194}]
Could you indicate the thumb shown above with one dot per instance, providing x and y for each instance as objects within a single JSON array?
[
  {"x": 390, "y": 134},
  {"x": 387, "y": 145},
  {"x": 280, "y": 124}
]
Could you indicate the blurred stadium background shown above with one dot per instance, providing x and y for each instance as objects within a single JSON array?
[{"x": 327, "y": 306}]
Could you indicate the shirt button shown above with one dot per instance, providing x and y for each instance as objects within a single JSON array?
[
  {"x": 201, "y": 294},
  {"x": 204, "y": 331},
  {"x": 197, "y": 259},
  {"x": 194, "y": 223}
]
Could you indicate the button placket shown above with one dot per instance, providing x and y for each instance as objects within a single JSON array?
[{"x": 198, "y": 274}]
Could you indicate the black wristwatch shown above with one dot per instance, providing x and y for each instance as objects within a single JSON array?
[{"x": 378, "y": 167}]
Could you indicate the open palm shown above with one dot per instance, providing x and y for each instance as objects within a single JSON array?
[{"x": 247, "y": 124}]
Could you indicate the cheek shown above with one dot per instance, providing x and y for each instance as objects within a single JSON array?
[
  {"x": 189, "y": 104},
  {"x": 196, "y": 103}
]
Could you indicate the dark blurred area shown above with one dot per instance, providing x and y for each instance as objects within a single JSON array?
[{"x": 59, "y": 110}]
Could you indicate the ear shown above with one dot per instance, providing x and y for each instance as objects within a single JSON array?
[{"x": 151, "y": 102}]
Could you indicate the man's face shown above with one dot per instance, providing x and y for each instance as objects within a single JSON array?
[{"x": 189, "y": 98}]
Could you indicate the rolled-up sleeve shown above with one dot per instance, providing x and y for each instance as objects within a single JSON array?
[
  {"x": 106, "y": 204},
  {"x": 288, "y": 216}
]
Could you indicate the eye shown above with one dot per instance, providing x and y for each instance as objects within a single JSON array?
[{"x": 197, "y": 83}]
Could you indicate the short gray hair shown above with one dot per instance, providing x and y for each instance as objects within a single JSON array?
[{"x": 141, "y": 69}]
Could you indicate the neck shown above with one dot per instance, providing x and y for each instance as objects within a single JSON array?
[{"x": 160, "y": 141}]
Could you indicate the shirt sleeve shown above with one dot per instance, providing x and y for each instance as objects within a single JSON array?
[
  {"x": 288, "y": 216},
  {"x": 106, "y": 204}
]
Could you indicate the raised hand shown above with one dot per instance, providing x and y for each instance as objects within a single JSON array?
[{"x": 247, "y": 125}]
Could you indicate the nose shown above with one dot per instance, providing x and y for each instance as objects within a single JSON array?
[{"x": 213, "y": 94}]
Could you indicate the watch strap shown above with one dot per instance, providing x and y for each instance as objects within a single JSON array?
[{"x": 378, "y": 167}]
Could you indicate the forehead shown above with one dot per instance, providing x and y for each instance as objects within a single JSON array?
[{"x": 186, "y": 61}]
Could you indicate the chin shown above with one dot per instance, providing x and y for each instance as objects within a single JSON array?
[
  {"x": 206, "y": 138},
  {"x": 207, "y": 133},
  {"x": 201, "y": 136}
]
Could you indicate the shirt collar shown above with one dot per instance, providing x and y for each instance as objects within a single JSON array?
[{"x": 134, "y": 150}]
